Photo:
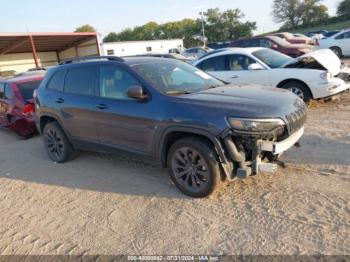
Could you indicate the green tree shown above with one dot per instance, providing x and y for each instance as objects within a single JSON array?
[
  {"x": 344, "y": 8},
  {"x": 85, "y": 28},
  {"x": 295, "y": 13},
  {"x": 227, "y": 25},
  {"x": 288, "y": 12},
  {"x": 219, "y": 26},
  {"x": 313, "y": 12},
  {"x": 111, "y": 37}
]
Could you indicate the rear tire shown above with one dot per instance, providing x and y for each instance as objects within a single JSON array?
[
  {"x": 194, "y": 168},
  {"x": 56, "y": 143},
  {"x": 337, "y": 51},
  {"x": 299, "y": 89}
]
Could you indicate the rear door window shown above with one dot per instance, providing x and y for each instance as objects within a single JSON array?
[
  {"x": 218, "y": 63},
  {"x": 80, "y": 81},
  {"x": 27, "y": 89}
]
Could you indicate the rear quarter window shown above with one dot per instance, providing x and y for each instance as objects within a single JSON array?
[
  {"x": 56, "y": 81},
  {"x": 27, "y": 89}
]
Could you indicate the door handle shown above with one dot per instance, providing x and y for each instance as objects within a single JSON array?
[
  {"x": 102, "y": 106},
  {"x": 234, "y": 77},
  {"x": 59, "y": 100}
]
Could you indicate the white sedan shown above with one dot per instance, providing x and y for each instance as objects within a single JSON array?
[
  {"x": 338, "y": 43},
  {"x": 316, "y": 75}
]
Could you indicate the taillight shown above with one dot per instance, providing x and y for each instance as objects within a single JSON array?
[{"x": 28, "y": 109}]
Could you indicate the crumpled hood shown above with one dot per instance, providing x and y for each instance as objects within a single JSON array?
[
  {"x": 327, "y": 58},
  {"x": 248, "y": 100}
]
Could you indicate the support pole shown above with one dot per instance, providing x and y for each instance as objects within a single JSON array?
[{"x": 34, "y": 51}]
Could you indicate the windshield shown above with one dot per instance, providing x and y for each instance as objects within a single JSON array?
[
  {"x": 176, "y": 77},
  {"x": 273, "y": 58}
]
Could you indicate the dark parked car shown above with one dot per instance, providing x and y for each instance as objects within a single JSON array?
[
  {"x": 319, "y": 32},
  {"x": 331, "y": 33},
  {"x": 219, "y": 45},
  {"x": 275, "y": 43},
  {"x": 169, "y": 112},
  {"x": 17, "y": 106}
]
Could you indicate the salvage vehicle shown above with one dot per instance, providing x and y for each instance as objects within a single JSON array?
[
  {"x": 339, "y": 43},
  {"x": 195, "y": 52},
  {"x": 16, "y": 104},
  {"x": 169, "y": 112},
  {"x": 316, "y": 75},
  {"x": 276, "y": 43},
  {"x": 289, "y": 37}
]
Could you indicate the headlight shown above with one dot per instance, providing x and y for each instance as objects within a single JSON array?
[
  {"x": 255, "y": 125},
  {"x": 326, "y": 76}
]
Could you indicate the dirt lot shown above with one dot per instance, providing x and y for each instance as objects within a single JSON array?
[{"x": 111, "y": 205}]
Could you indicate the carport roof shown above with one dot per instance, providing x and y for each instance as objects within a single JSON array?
[{"x": 11, "y": 43}]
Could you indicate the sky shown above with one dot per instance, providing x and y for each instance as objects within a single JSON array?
[{"x": 115, "y": 15}]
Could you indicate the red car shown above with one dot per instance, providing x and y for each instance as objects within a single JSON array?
[
  {"x": 16, "y": 104},
  {"x": 275, "y": 43},
  {"x": 295, "y": 40}
]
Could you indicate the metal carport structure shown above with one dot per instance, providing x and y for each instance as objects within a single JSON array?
[{"x": 50, "y": 48}]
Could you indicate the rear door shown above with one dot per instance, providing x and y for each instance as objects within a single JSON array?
[
  {"x": 123, "y": 122},
  {"x": 76, "y": 104}
]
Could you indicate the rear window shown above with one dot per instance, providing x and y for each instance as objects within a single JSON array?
[{"x": 27, "y": 89}]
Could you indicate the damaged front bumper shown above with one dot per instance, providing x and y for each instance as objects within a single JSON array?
[
  {"x": 250, "y": 162},
  {"x": 280, "y": 147}
]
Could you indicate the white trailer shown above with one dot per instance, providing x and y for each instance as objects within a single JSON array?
[{"x": 131, "y": 48}]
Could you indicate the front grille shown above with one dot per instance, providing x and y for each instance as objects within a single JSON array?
[
  {"x": 344, "y": 76},
  {"x": 297, "y": 119}
]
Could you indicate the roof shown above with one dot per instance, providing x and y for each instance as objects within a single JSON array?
[
  {"x": 142, "y": 41},
  {"x": 144, "y": 60},
  {"x": 231, "y": 50},
  {"x": 44, "y": 42}
]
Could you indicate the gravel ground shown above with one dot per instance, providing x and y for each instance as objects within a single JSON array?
[{"x": 101, "y": 204}]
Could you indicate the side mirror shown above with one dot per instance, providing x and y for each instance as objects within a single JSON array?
[
  {"x": 136, "y": 92},
  {"x": 255, "y": 66},
  {"x": 274, "y": 46}
]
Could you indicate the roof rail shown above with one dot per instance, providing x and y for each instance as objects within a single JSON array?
[{"x": 87, "y": 58}]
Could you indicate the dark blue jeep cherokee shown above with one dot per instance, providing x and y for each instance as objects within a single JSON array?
[{"x": 179, "y": 117}]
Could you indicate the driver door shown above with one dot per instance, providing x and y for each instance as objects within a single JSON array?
[
  {"x": 123, "y": 122},
  {"x": 242, "y": 73}
]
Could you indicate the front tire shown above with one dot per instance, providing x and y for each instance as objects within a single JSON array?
[
  {"x": 299, "y": 89},
  {"x": 193, "y": 167},
  {"x": 337, "y": 51},
  {"x": 56, "y": 143}
]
